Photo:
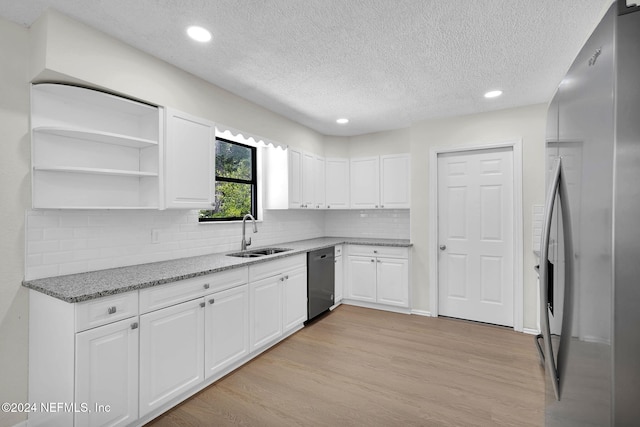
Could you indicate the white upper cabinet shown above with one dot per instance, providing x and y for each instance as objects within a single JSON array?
[
  {"x": 308, "y": 180},
  {"x": 395, "y": 181},
  {"x": 381, "y": 182},
  {"x": 93, "y": 150},
  {"x": 319, "y": 194},
  {"x": 337, "y": 183},
  {"x": 293, "y": 179},
  {"x": 365, "y": 183},
  {"x": 189, "y": 161}
]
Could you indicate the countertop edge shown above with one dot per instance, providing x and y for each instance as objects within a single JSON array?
[{"x": 48, "y": 286}]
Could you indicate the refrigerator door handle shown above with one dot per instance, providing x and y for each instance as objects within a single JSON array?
[
  {"x": 558, "y": 188},
  {"x": 544, "y": 276}
]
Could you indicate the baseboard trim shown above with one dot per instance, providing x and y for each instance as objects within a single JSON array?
[
  {"x": 376, "y": 306},
  {"x": 21, "y": 424},
  {"x": 417, "y": 312},
  {"x": 530, "y": 331}
]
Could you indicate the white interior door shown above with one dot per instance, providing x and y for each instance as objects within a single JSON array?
[{"x": 475, "y": 235}]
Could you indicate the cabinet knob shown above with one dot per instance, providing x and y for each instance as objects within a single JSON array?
[
  {"x": 111, "y": 310},
  {"x": 134, "y": 325},
  {"x": 328, "y": 206},
  {"x": 376, "y": 206},
  {"x": 443, "y": 247},
  {"x": 282, "y": 279},
  {"x": 212, "y": 300},
  {"x": 202, "y": 304},
  {"x": 375, "y": 252},
  {"x": 379, "y": 261},
  {"x": 206, "y": 286},
  {"x": 373, "y": 260},
  {"x": 302, "y": 206},
  {"x": 382, "y": 206}
]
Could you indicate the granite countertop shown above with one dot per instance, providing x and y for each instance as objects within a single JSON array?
[{"x": 86, "y": 286}]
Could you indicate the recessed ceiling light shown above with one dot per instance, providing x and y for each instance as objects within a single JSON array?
[
  {"x": 199, "y": 34},
  {"x": 342, "y": 121},
  {"x": 493, "y": 94}
]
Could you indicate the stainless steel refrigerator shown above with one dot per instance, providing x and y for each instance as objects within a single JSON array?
[{"x": 590, "y": 253}]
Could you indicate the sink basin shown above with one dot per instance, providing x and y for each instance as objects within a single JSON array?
[{"x": 258, "y": 252}]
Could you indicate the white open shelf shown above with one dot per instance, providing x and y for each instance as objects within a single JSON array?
[
  {"x": 95, "y": 171},
  {"x": 97, "y": 136},
  {"x": 93, "y": 150}
]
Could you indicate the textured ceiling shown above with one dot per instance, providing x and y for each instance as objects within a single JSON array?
[{"x": 382, "y": 63}]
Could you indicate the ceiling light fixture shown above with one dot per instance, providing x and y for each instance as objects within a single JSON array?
[
  {"x": 342, "y": 121},
  {"x": 493, "y": 94},
  {"x": 199, "y": 34}
]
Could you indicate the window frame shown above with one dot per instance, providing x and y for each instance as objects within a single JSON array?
[{"x": 253, "y": 182}]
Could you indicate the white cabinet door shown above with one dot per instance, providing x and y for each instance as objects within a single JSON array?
[
  {"x": 395, "y": 181},
  {"x": 107, "y": 374},
  {"x": 319, "y": 183},
  {"x": 189, "y": 161},
  {"x": 226, "y": 329},
  {"x": 171, "y": 353},
  {"x": 265, "y": 302},
  {"x": 393, "y": 281},
  {"x": 339, "y": 279},
  {"x": 365, "y": 182},
  {"x": 295, "y": 178},
  {"x": 308, "y": 180},
  {"x": 337, "y": 183},
  {"x": 294, "y": 298},
  {"x": 361, "y": 278}
]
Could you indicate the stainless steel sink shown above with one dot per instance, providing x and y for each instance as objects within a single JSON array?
[{"x": 258, "y": 252}]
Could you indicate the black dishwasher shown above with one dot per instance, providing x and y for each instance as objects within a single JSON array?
[{"x": 320, "y": 281}]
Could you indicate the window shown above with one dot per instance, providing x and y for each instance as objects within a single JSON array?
[{"x": 236, "y": 182}]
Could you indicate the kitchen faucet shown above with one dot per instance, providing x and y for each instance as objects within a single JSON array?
[{"x": 245, "y": 242}]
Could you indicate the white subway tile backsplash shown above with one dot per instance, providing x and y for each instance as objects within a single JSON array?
[{"x": 63, "y": 242}]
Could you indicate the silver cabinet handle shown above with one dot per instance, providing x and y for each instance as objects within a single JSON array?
[
  {"x": 134, "y": 325},
  {"x": 206, "y": 286},
  {"x": 443, "y": 247},
  {"x": 111, "y": 310},
  {"x": 202, "y": 304},
  {"x": 212, "y": 300}
]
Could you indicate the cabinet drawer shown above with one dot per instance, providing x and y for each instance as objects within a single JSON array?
[
  {"x": 376, "y": 251},
  {"x": 101, "y": 311},
  {"x": 271, "y": 268},
  {"x": 157, "y": 297}
]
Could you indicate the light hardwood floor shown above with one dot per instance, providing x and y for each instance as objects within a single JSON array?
[{"x": 362, "y": 367}]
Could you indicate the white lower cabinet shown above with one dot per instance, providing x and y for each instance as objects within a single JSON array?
[
  {"x": 278, "y": 299},
  {"x": 294, "y": 298},
  {"x": 266, "y": 311},
  {"x": 171, "y": 353},
  {"x": 362, "y": 278},
  {"x": 226, "y": 329},
  {"x": 106, "y": 375},
  {"x": 378, "y": 275}
]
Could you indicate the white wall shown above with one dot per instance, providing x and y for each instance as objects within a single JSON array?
[
  {"x": 527, "y": 124},
  {"x": 61, "y": 242},
  {"x": 14, "y": 194},
  {"x": 75, "y": 52}
]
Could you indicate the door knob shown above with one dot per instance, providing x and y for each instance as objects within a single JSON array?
[{"x": 443, "y": 247}]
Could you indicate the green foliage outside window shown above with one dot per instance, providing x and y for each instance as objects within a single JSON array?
[{"x": 235, "y": 187}]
